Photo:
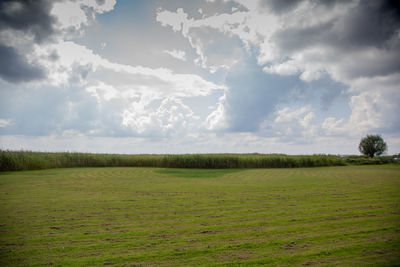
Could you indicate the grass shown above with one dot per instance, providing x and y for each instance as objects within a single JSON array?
[
  {"x": 197, "y": 173},
  {"x": 347, "y": 216}
]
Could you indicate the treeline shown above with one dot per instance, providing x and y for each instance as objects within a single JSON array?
[
  {"x": 26, "y": 160},
  {"x": 364, "y": 160}
]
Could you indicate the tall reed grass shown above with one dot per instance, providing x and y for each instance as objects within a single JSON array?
[{"x": 27, "y": 160}]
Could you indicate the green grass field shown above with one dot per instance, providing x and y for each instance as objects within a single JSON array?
[{"x": 347, "y": 215}]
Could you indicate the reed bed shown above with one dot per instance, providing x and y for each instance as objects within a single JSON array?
[{"x": 28, "y": 160}]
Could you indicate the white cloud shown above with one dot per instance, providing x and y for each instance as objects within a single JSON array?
[
  {"x": 100, "y": 6},
  {"x": 285, "y": 68},
  {"x": 332, "y": 126},
  {"x": 136, "y": 88},
  {"x": 161, "y": 80},
  {"x": 179, "y": 22},
  {"x": 69, "y": 14},
  {"x": 103, "y": 92},
  {"x": 291, "y": 123},
  {"x": 374, "y": 108},
  {"x": 178, "y": 54},
  {"x": 4, "y": 123},
  {"x": 172, "y": 117},
  {"x": 217, "y": 118},
  {"x": 214, "y": 69},
  {"x": 175, "y": 20},
  {"x": 74, "y": 14}
]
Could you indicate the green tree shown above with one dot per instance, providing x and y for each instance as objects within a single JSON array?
[{"x": 372, "y": 145}]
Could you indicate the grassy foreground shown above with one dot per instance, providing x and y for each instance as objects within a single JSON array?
[{"x": 181, "y": 217}]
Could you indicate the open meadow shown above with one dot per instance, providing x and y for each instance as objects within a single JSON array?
[{"x": 122, "y": 216}]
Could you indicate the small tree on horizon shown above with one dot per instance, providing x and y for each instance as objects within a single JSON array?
[{"x": 372, "y": 145}]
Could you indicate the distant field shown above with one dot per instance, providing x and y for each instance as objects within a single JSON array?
[{"x": 347, "y": 215}]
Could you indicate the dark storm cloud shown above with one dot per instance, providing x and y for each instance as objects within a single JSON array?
[
  {"x": 15, "y": 68},
  {"x": 370, "y": 24},
  {"x": 294, "y": 39},
  {"x": 280, "y": 6},
  {"x": 31, "y": 18},
  {"x": 28, "y": 16}
]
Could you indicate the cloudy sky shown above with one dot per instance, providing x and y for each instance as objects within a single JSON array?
[{"x": 201, "y": 76}]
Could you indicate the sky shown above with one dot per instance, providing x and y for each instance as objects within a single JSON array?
[{"x": 201, "y": 76}]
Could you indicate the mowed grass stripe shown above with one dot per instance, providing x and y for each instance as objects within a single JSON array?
[{"x": 91, "y": 216}]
